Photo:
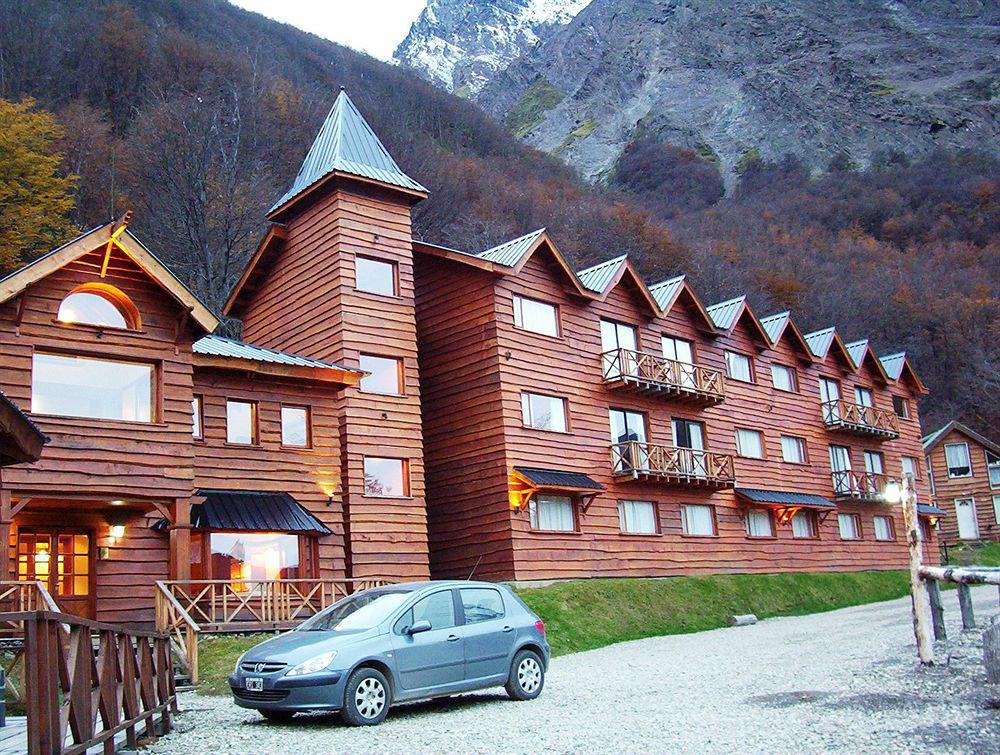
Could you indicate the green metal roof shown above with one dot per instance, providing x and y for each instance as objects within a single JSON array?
[
  {"x": 857, "y": 350},
  {"x": 724, "y": 313},
  {"x": 774, "y": 325},
  {"x": 819, "y": 341},
  {"x": 665, "y": 291},
  {"x": 227, "y": 347},
  {"x": 893, "y": 364},
  {"x": 596, "y": 278},
  {"x": 510, "y": 252},
  {"x": 346, "y": 144}
]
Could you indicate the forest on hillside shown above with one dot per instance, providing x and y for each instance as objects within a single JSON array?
[{"x": 197, "y": 114}]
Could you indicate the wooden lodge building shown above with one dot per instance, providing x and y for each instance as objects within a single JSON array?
[{"x": 398, "y": 409}]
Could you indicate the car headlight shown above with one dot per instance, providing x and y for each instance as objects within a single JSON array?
[{"x": 314, "y": 664}]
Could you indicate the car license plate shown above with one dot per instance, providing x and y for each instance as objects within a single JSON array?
[{"x": 255, "y": 684}]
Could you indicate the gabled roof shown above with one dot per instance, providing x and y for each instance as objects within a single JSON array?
[
  {"x": 669, "y": 292},
  {"x": 598, "y": 277},
  {"x": 931, "y": 440},
  {"x": 821, "y": 341},
  {"x": 859, "y": 351},
  {"x": 258, "y": 358},
  {"x": 95, "y": 239},
  {"x": 779, "y": 324},
  {"x": 727, "y": 313},
  {"x": 895, "y": 365},
  {"x": 347, "y": 145},
  {"x": 510, "y": 253}
]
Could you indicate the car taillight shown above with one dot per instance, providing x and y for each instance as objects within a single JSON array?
[{"x": 540, "y": 626}]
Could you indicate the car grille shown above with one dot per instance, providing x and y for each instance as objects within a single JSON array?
[
  {"x": 266, "y": 696},
  {"x": 263, "y": 667}
]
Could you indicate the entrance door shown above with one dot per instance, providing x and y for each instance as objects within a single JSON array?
[
  {"x": 62, "y": 560},
  {"x": 965, "y": 515}
]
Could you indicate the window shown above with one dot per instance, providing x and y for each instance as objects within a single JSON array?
[
  {"x": 99, "y": 304},
  {"x": 957, "y": 457},
  {"x": 385, "y": 375},
  {"x": 750, "y": 443},
  {"x": 197, "y": 418},
  {"x": 438, "y": 609},
  {"x": 536, "y": 316},
  {"x": 930, "y": 474},
  {"x": 481, "y": 604},
  {"x": 993, "y": 468},
  {"x": 901, "y": 406},
  {"x": 863, "y": 397},
  {"x": 295, "y": 430},
  {"x": 240, "y": 557},
  {"x": 626, "y": 426},
  {"x": 758, "y": 523},
  {"x": 784, "y": 378},
  {"x": 850, "y": 526},
  {"x": 874, "y": 462},
  {"x": 375, "y": 276},
  {"x": 543, "y": 412},
  {"x": 689, "y": 434},
  {"x": 616, "y": 335},
  {"x": 804, "y": 525},
  {"x": 388, "y": 478},
  {"x": 793, "y": 449},
  {"x": 552, "y": 512},
  {"x": 996, "y": 508},
  {"x": 911, "y": 468},
  {"x": 738, "y": 367},
  {"x": 637, "y": 517},
  {"x": 829, "y": 396},
  {"x": 241, "y": 422},
  {"x": 884, "y": 528},
  {"x": 75, "y": 386},
  {"x": 677, "y": 350},
  {"x": 697, "y": 519}
]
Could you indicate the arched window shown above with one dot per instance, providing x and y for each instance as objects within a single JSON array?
[{"x": 99, "y": 304}]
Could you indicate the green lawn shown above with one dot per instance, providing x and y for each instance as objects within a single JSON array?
[
  {"x": 975, "y": 554},
  {"x": 217, "y": 656}
]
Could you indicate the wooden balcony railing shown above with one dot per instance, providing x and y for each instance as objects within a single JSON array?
[
  {"x": 680, "y": 466},
  {"x": 655, "y": 376},
  {"x": 861, "y": 486},
  {"x": 858, "y": 419},
  {"x": 18, "y": 598}
]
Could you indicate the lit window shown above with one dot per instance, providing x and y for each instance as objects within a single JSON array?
[
  {"x": 697, "y": 519},
  {"x": 793, "y": 449},
  {"x": 552, "y": 512},
  {"x": 543, "y": 412},
  {"x": 957, "y": 457},
  {"x": 784, "y": 378},
  {"x": 197, "y": 418},
  {"x": 884, "y": 529},
  {"x": 758, "y": 523},
  {"x": 387, "y": 477},
  {"x": 901, "y": 406},
  {"x": 637, "y": 517},
  {"x": 295, "y": 426},
  {"x": 385, "y": 375},
  {"x": 804, "y": 524},
  {"x": 74, "y": 386},
  {"x": 536, "y": 316},
  {"x": 375, "y": 276},
  {"x": 241, "y": 557},
  {"x": 99, "y": 304},
  {"x": 850, "y": 526},
  {"x": 738, "y": 367},
  {"x": 750, "y": 443},
  {"x": 241, "y": 422}
]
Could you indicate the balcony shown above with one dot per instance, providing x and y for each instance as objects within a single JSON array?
[
  {"x": 859, "y": 486},
  {"x": 676, "y": 466},
  {"x": 856, "y": 419},
  {"x": 655, "y": 376}
]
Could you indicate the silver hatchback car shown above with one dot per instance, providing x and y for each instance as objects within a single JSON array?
[{"x": 397, "y": 643}]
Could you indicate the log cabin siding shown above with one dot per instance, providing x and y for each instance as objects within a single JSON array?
[{"x": 949, "y": 489}]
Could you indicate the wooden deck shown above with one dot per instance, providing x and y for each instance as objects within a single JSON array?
[{"x": 14, "y": 738}]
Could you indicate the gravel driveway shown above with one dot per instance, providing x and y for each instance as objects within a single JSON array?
[{"x": 840, "y": 681}]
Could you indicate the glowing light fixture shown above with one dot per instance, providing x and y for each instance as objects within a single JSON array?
[
  {"x": 893, "y": 492},
  {"x": 117, "y": 531}
]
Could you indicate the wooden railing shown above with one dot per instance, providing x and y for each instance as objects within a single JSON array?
[
  {"x": 859, "y": 419},
  {"x": 87, "y": 681},
  {"x": 865, "y": 486},
  {"x": 18, "y": 598},
  {"x": 186, "y": 608},
  {"x": 648, "y": 373},
  {"x": 677, "y": 465}
]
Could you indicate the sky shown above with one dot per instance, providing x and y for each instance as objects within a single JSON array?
[{"x": 371, "y": 26}]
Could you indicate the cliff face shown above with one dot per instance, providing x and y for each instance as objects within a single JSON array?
[{"x": 746, "y": 79}]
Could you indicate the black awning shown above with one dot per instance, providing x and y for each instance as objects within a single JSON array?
[
  {"x": 251, "y": 511},
  {"x": 554, "y": 479},
  {"x": 20, "y": 439},
  {"x": 785, "y": 498},
  {"x": 929, "y": 509}
]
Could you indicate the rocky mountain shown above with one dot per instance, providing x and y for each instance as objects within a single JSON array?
[
  {"x": 735, "y": 81},
  {"x": 460, "y": 46}
]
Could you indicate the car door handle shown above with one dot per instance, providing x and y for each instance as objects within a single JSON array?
[
  {"x": 452, "y": 638},
  {"x": 508, "y": 629}
]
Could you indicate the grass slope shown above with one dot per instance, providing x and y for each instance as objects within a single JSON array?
[{"x": 975, "y": 554}]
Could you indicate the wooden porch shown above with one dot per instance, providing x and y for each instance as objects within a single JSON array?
[
  {"x": 651, "y": 375},
  {"x": 676, "y": 466},
  {"x": 857, "y": 419}
]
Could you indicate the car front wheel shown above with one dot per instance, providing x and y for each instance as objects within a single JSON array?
[
  {"x": 366, "y": 698},
  {"x": 527, "y": 676}
]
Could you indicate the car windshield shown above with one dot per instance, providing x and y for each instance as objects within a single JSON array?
[{"x": 356, "y": 612}]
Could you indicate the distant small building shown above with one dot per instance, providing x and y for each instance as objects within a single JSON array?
[{"x": 964, "y": 471}]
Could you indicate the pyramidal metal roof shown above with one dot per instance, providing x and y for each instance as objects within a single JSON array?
[
  {"x": 819, "y": 341},
  {"x": 346, "y": 144},
  {"x": 893, "y": 364},
  {"x": 775, "y": 324},
  {"x": 666, "y": 291},
  {"x": 724, "y": 313},
  {"x": 857, "y": 350},
  {"x": 510, "y": 252},
  {"x": 226, "y": 347},
  {"x": 596, "y": 278}
]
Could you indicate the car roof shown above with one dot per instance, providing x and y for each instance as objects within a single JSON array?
[{"x": 428, "y": 584}]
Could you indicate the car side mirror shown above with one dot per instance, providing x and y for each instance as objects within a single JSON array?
[{"x": 419, "y": 626}]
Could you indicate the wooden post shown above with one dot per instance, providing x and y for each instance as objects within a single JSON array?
[
  {"x": 180, "y": 541},
  {"x": 5, "y": 521},
  {"x": 965, "y": 605},
  {"x": 937, "y": 608},
  {"x": 918, "y": 589},
  {"x": 991, "y": 652}
]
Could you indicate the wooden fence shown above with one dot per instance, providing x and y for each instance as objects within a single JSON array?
[
  {"x": 963, "y": 577},
  {"x": 87, "y": 681}
]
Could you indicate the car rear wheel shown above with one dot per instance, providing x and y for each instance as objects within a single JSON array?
[
  {"x": 278, "y": 716},
  {"x": 366, "y": 698},
  {"x": 527, "y": 676}
]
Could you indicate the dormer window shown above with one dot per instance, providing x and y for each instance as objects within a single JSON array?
[{"x": 99, "y": 304}]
